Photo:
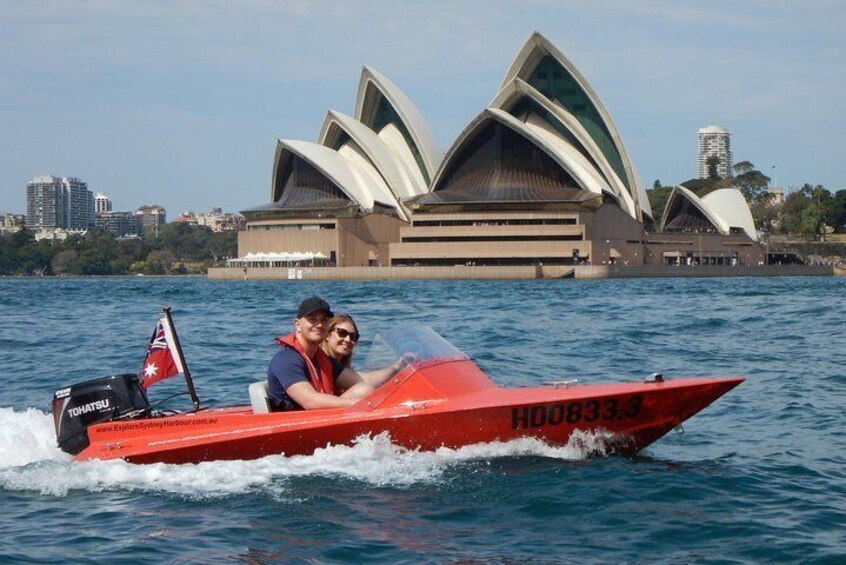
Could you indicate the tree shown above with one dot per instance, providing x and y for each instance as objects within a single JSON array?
[
  {"x": 133, "y": 250},
  {"x": 92, "y": 261},
  {"x": 158, "y": 262},
  {"x": 34, "y": 258},
  {"x": 223, "y": 245},
  {"x": 99, "y": 253},
  {"x": 838, "y": 211},
  {"x": 713, "y": 165},
  {"x": 186, "y": 241},
  {"x": 810, "y": 222},
  {"x": 825, "y": 209},
  {"x": 701, "y": 187},
  {"x": 743, "y": 167},
  {"x": 656, "y": 184},
  {"x": 765, "y": 215},
  {"x": 22, "y": 238},
  {"x": 63, "y": 261},
  {"x": 658, "y": 199},
  {"x": 7, "y": 255},
  {"x": 753, "y": 184},
  {"x": 792, "y": 214}
]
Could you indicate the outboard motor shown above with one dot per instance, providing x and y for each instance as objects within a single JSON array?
[{"x": 100, "y": 400}]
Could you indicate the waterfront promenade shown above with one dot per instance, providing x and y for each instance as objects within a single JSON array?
[{"x": 461, "y": 272}]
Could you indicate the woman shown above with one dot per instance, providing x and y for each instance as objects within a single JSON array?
[
  {"x": 341, "y": 340},
  {"x": 340, "y": 343}
]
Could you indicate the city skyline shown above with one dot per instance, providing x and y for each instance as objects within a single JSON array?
[{"x": 188, "y": 116}]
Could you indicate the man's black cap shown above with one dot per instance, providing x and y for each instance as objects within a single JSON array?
[{"x": 313, "y": 304}]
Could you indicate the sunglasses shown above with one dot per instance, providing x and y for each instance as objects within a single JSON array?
[{"x": 344, "y": 334}]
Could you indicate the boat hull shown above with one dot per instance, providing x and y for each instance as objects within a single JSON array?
[{"x": 449, "y": 403}]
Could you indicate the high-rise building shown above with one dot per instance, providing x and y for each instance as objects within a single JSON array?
[
  {"x": 46, "y": 203},
  {"x": 102, "y": 203},
  {"x": 152, "y": 217},
  {"x": 121, "y": 224},
  {"x": 80, "y": 204},
  {"x": 59, "y": 203},
  {"x": 715, "y": 141}
]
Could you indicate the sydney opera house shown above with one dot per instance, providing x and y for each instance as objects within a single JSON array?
[{"x": 539, "y": 177}]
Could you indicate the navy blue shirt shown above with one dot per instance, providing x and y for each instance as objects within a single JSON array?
[{"x": 287, "y": 368}]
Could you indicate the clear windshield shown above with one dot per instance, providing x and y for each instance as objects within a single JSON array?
[{"x": 415, "y": 342}]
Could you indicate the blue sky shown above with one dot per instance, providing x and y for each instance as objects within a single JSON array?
[{"x": 181, "y": 103}]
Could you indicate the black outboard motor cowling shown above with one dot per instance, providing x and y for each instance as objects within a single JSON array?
[{"x": 100, "y": 400}]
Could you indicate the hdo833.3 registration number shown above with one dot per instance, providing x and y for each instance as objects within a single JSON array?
[{"x": 594, "y": 410}]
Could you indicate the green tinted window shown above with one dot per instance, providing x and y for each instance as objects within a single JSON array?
[
  {"x": 340, "y": 141},
  {"x": 385, "y": 114},
  {"x": 527, "y": 106},
  {"x": 563, "y": 89}
]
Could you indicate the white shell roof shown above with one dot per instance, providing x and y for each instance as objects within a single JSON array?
[
  {"x": 642, "y": 197},
  {"x": 407, "y": 111},
  {"x": 535, "y": 48},
  {"x": 725, "y": 208},
  {"x": 382, "y": 167},
  {"x": 576, "y": 163},
  {"x": 563, "y": 153},
  {"x": 730, "y": 205},
  {"x": 518, "y": 88},
  {"x": 402, "y": 182},
  {"x": 393, "y": 137},
  {"x": 337, "y": 169},
  {"x": 682, "y": 192}
]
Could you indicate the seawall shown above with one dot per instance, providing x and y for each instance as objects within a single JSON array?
[{"x": 513, "y": 273}]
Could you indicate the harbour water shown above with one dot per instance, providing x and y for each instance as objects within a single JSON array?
[{"x": 760, "y": 476}]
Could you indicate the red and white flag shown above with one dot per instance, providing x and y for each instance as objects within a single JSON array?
[{"x": 163, "y": 359}]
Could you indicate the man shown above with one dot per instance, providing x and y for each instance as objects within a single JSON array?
[{"x": 301, "y": 375}]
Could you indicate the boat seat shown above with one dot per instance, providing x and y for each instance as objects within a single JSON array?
[{"x": 258, "y": 397}]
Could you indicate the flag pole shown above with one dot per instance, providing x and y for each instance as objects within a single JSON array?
[{"x": 188, "y": 380}]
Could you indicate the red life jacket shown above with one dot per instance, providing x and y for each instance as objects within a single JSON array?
[{"x": 321, "y": 376}]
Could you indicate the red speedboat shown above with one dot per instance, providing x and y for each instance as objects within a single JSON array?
[{"x": 440, "y": 398}]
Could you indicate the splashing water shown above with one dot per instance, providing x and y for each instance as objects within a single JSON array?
[
  {"x": 30, "y": 461},
  {"x": 27, "y": 437}
]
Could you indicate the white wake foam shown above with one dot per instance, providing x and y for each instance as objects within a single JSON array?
[
  {"x": 27, "y": 437},
  {"x": 30, "y": 461}
]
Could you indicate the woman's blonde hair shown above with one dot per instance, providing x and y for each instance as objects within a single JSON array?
[{"x": 346, "y": 361}]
